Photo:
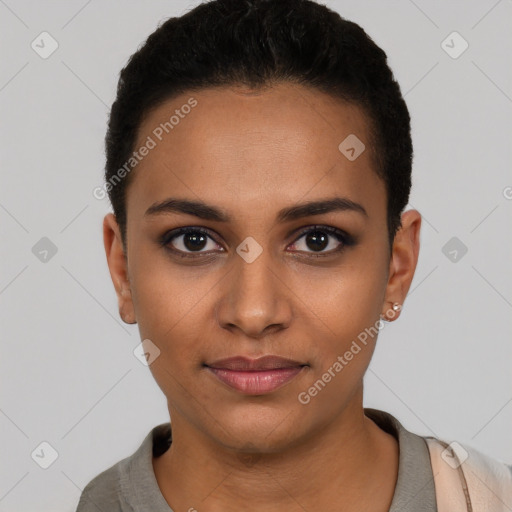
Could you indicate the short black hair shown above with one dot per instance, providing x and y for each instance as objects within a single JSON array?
[{"x": 255, "y": 44}]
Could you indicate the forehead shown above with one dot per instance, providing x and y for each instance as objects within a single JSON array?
[{"x": 273, "y": 146}]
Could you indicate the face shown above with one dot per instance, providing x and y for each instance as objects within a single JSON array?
[{"x": 257, "y": 274}]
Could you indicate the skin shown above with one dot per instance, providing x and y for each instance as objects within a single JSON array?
[{"x": 252, "y": 153}]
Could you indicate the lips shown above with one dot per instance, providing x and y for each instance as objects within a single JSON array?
[
  {"x": 255, "y": 376},
  {"x": 246, "y": 364}
]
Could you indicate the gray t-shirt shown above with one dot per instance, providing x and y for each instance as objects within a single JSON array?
[{"x": 130, "y": 484}]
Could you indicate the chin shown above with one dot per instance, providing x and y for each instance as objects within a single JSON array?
[{"x": 258, "y": 429}]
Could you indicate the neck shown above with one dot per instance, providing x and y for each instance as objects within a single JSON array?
[{"x": 351, "y": 465}]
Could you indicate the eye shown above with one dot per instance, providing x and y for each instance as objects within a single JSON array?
[
  {"x": 192, "y": 239},
  {"x": 319, "y": 238}
]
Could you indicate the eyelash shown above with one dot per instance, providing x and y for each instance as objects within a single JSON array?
[{"x": 345, "y": 239}]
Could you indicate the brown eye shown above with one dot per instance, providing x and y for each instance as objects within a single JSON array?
[
  {"x": 189, "y": 240},
  {"x": 319, "y": 238}
]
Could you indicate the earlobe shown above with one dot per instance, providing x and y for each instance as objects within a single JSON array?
[
  {"x": 392, "y": 312},
  {"x": 126, "y": 309},
  {"x": 402, "y": 265},
  {"x": 117, "y": 264}
]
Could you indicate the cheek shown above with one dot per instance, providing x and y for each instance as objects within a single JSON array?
[
  {"x": 346, "y": 315},
  {"x": 352, "y": 294},
  {"x": 172, "y": 321},
  {"x": 342, "y": 347},
  {"x": 173, "y": 306},
  {"x": 166, "y": 297}
]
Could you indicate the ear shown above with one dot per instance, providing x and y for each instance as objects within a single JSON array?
[
  {"x": 402, "y": 265},
  {"x": 117, "y": 265}
]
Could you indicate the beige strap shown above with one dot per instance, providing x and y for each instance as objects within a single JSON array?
[
  {"x": 466, "y": 480},
  {"x": 450, "y": 484}
]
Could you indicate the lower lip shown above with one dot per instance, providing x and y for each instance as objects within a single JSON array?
[{"x": 256, "y": 382}]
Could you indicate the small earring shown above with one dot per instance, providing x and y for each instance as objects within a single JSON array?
[{"x": 397, "y": 306}]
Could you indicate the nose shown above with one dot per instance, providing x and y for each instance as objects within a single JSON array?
[{"x": 255, "y": 298}]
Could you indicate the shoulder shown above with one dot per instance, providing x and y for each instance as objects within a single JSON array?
[
  {"x": 104, "y": 490},
  {"x": 113, "y": 490},
  {"x": 462, "y": 454},
  {"x": 462, "y": 470}
]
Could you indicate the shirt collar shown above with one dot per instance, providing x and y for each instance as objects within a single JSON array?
[{"x": 414, "y": 489}]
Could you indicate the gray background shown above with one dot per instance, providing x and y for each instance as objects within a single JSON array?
[{"x": 69, "y": 376}]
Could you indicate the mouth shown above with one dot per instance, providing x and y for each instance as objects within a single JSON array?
[{"x": 255, "y": 376}]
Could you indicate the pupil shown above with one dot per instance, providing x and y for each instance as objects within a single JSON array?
[
  {"x": 194, "y": 241},
  {"x": 317, "y": 238}
]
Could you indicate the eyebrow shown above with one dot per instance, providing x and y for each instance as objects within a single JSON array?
[{"x": 209, "y": 212}]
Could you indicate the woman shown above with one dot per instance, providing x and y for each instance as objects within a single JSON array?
[{"x": 258, "y": 164}]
